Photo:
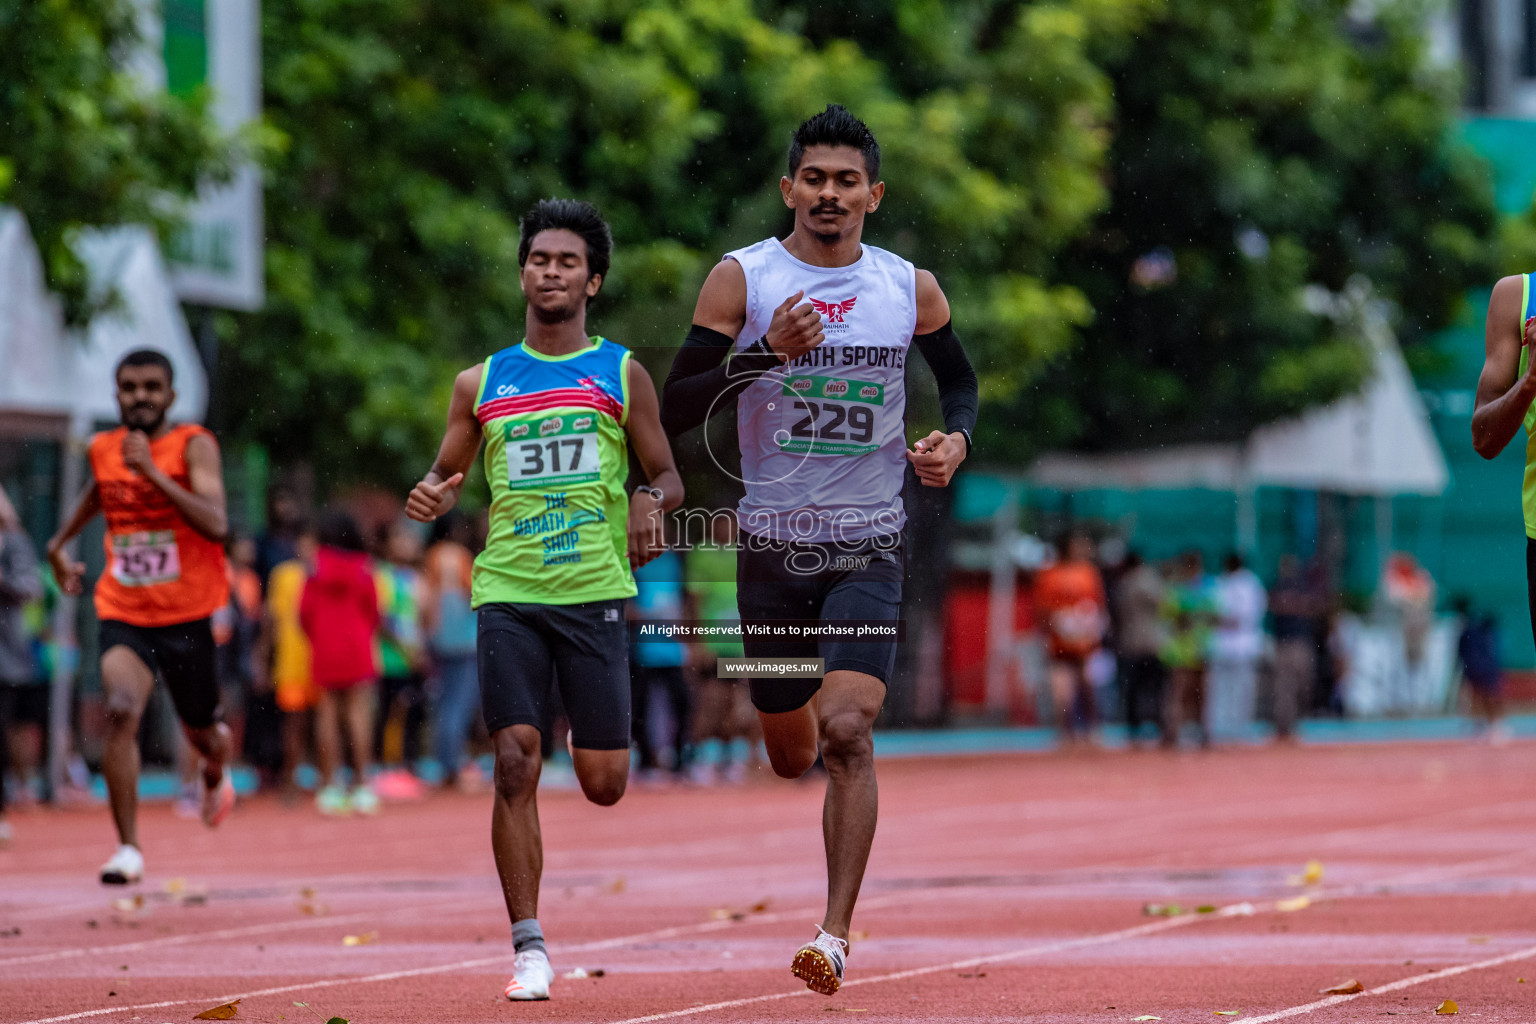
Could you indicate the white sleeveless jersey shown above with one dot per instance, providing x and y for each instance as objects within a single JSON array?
[{"x": 823, "y": 443}]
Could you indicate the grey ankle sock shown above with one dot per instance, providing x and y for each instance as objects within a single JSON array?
[{"x": 526, "y": 935}]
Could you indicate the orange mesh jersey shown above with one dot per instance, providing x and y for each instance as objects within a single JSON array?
[{"x": 160, "y": 571}]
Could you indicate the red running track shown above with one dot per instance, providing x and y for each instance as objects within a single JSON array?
[{"x": 1001, "y": 888}]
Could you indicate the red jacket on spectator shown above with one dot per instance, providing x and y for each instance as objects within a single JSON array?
[{"x": 340, "y": 613}]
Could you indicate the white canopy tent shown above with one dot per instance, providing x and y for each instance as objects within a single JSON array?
[
  {"x": 48, "y": 370},
  {"x": 1378, "y": 442}
]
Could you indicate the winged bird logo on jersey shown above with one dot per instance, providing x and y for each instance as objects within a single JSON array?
[{"x": 834, "y": 311}]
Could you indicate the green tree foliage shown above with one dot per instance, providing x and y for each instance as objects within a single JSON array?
[
  {"x": 1261, "y": 145},
  {"x": 417, "y": 133},
  {"x": 84, "y": 142}
]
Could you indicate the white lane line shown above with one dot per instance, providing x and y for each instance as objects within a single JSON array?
[
  {"x": 1166, "y": 924},
  {"x": 1016, "y": 954},
  {"x": 1417, "y": 979},
  {"x": 464, "y": 965},
  {"x": 1234, "y": 910},
  {"x": 320, "y": 921}
]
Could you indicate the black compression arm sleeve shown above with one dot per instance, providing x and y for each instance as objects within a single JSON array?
[
  {"x": 702, "y": 377},
  {"x": 958, "y": 395}
]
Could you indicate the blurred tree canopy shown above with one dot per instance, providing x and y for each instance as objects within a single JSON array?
[
  {"x": 1261, "y": 145},
  {"x": 1122, "y": 198},
  {"x": 416, "y": 134},
  {"x": 84, "y": 141}
]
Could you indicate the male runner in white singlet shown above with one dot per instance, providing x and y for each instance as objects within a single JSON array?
[{"x": 818, "y": 327}]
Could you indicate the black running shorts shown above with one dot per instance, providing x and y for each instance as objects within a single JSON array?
[
  {"x": 833, "y": 582},
  {"x": 525, "y": 650},
  {"x": 1530, "y": 580},
  {"x": 182, "y": 655}
]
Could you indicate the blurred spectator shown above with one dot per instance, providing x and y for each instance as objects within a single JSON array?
[
  {"x": 1478, "y": 650},
  {"x": 1407, "y": 594},
  {"x": 20, "y": 584},
  {"x": 1297, "y": 612},
  {"x": 402, "y": 657},
  {"x": 283, "y": 657},
  {"x": 1140, "y": 635},
  {"x": 1189, "y": 609},
  {"x": 278, "y": 543},
  {"x": 723, "y": 709},
  {"x": 1237, "y": 644},
  {"x": 1072, "y": 605},
  {"x": 658, "y": 664},
  {"x": 236, "y": 628},
  {"x": 340, "y": 614},
  {"x": 451, "y": 631}
]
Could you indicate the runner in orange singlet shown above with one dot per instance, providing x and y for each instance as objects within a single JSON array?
[{"x": 162, "y": 493}]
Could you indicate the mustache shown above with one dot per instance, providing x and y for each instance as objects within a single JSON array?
[{"x": 827, "y": 208}]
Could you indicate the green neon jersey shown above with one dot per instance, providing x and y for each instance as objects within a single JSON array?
[{"x": 556, "y": 458}]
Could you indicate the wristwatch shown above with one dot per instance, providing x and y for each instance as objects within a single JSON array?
[{"x": 655, "y": 492}]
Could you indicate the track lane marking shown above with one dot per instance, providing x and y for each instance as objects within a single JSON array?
[
  {"x": 1242, "y": 909},
  {"x": 674, "y": 931},
  {"x": 1393, "y": 986}
]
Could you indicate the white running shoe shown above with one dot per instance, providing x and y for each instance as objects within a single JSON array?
[
  {"x": 819, "y": 963},
  {"x": 125, "y": 868},
  {"x": 364, "y": 800},
  {"x": 218, "y": 801},
  {"x": 531, "y": 976}
]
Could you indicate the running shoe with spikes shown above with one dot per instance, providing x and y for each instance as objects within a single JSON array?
[
  {"x": 218, "y": 801},
  {"x": 125, "y": 868},
  {"x": 531, "y": 976},
  {"x": 819, "y": 963}
]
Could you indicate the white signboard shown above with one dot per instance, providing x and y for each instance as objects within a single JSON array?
[{"x": 217, "y": 259}]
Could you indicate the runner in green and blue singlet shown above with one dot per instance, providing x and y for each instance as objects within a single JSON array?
[{"x": 555, "y": 413}]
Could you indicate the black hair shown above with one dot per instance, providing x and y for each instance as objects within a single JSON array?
[
  {"x": 1234, "y": 562},
  {"x": 571, "y": 215},
  {"x": 835, "y": 127},
  {"x": 147, "y": 357},
  {"x": 339, "y": 530}
]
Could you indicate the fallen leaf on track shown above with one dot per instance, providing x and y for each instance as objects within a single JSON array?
[
  {"x": 1299, "y": 903},
  {"x": 1519, "y": 981},
  {"x": 1226, "y": 1013},
  {"x": 359, "y": 940},
  {"x": 1206, "y": 908},
  {"x": 1162, "y": 910},
  {"x": 1344, "y": 988},
  {"x": 1313, "y": 873},
  {"x": 1146, "y": 1016},
  {"x": 175, "y": 885},
  {"x": 1478, "y": 940},
  {"x": 615, "y": 886},
  {"x": 1447, "y": 1008},
  {"x": 846, "y": 1009},
  {"x": 762, "y": 905},
  {"x": 129, "y": 904},
  {"x": 580, "y": 972},
  {"x": 338, "y": 1020},
  {"x": 224, "y": 1012},
  {"x": 858, "y": 935}
]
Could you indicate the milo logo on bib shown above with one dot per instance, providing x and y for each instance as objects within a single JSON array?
[{"x": 830, "y": 416}]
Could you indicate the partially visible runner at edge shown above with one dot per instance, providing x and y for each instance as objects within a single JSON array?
[
  {"x": 549, "y": 588},
  {"x": 1505, "y": 391},
  {"x": 161, "y": 490},
  {"x": 819, "y": 327}
]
